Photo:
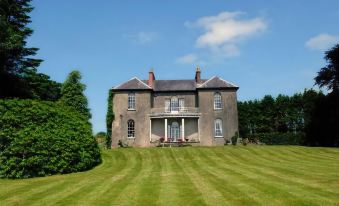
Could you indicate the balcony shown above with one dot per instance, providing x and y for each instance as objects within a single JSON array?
[{"x": 175, "y": 112}]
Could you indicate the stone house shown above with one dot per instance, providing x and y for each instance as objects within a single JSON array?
[{"x": 199, "y": 111}]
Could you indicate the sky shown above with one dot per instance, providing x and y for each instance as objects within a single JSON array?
[{"x": 264, "y": 47}]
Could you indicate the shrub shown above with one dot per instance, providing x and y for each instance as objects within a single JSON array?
[
  {"x": 244, "y": 141},
  {"x": 234, "y": 139},
  {"x": 276, "y": 138},
  {"x": 44, "y": 138}
]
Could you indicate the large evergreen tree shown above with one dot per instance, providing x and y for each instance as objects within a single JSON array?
[
  {"x": 328, "y": 76},
  {"x": 72, "y": 94},
  {"x": 15, "y": 56}
]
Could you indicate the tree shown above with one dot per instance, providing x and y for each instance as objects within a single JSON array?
[
  {"x": 15, "y": 57},
  {"x": 72, "y": 94},
  {"x": 40, "y": 138},
  {"x": 328, "y": 76},
  {"x": 40, "y": 86}
]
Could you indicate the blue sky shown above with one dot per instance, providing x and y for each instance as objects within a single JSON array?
[{"x": 265, "y": 47}]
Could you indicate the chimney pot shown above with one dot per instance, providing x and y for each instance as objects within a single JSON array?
[
  {"x": 151, "y": 78},
  {"x": 198, "y": 75}
]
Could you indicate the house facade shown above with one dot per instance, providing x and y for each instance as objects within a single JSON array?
[{"x": 198, "y": 111}]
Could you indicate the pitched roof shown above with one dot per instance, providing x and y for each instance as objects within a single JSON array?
[
  {"x": 133, "y": 84},
  {"x": 176, "y": 85},
  {"x": 216, "y": 82}
]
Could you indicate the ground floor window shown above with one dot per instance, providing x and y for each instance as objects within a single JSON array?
[
  {"x": 218, "y": 128},
  {"x": 130, "y": 128}
]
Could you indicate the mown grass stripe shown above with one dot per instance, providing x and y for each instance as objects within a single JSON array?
[
  {"x": 86, "y": 188},
  {"x": 282, "y": 181},
  {"x": 149, "y": 189}
]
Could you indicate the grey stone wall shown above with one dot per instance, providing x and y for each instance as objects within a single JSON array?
[
  {"x": 228, "y": 114},
  {"x": 140, "y": 116}
]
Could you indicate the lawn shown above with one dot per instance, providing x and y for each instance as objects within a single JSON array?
[{"x": 240, "y": 175}]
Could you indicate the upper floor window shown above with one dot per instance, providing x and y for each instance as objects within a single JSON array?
[
  {"x": 217, "y": 101},
  {"x": 130, "y": 128},
  {"x": 174, "y": 104},
  {"x": 131, "y": 101},
  {"x": 181, "y": 104},
  {"x": 218, "y": 128}
]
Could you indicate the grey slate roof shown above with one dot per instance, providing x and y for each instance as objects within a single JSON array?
[
  {"x": 176, "y": 85},
  {"x": 216, "y": 82},
  {"x": 133, "y": 84}
]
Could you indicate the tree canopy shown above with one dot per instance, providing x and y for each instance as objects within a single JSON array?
[
  {"x": 328, "y": 76},
  {"x": 72, "y": 94},
  {"x": 15, "y": 56}
]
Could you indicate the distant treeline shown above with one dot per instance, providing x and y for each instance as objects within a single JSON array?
[{"x": 308, "y": 118}]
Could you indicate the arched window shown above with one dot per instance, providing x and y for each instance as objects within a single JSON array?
[
  {"x": 131, "y": 101},
  {"x": 218, "y": 128},
  {"x": 217, "y": 101},
  {"x": 130, "y": 128}
]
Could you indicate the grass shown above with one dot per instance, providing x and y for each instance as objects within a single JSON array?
[{"x": 251, "y": 175}]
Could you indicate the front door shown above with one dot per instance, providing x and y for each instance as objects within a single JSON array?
[{"x": 175, "y": 131}]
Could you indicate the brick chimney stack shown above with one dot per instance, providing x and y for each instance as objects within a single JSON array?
[
  {"x": 198, "y": 75},
  {"x": 151, "y": 78}
]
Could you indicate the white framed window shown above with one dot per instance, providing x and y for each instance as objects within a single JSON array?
[
  {"x": 131, "y": 101},
  {"x": 130, "y": 128},
  {"x": 218, "y": 128},
  {"x": 167, "y": 105},
  {"x": 217, "y": 101},
  {"x": 181, "y": 104},
  {"x": 174, "y": 104}
]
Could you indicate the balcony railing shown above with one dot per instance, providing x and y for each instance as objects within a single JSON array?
[{"x": 182, "y": 111}]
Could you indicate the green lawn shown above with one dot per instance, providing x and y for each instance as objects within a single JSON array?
[{"x": 251, "y": 175}]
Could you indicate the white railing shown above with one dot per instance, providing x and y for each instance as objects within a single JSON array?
[{"x": 175, "y": 111}]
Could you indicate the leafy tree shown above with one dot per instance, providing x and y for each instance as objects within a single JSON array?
[
  {"x": 39, "y": 138},
  {"x": 15, "y": 56},
  {"x": 328, "y": 76},
  {"x": 39, "y": 86},
  {"x": 109, "y": 118},
  {"x": 72, "y": 94}
]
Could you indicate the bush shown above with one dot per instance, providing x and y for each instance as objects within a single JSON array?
[
  {"x": 234, "y": 139},
  {"x": 44, "y": 138},
  {"x": 245, "y": 141},
  {"x": 276, "y": 138}
]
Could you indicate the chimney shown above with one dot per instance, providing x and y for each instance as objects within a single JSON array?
[
  {"x": 197, "y": 75},
  {"x": 151, "y": 78}
]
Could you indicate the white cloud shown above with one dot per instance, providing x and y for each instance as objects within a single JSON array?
[
  {"x": 322, "y": 42},
  {"x": 223, "y": 32},
  {"x": 143, "y": 37},
  {"x": 187, "y": 59}
]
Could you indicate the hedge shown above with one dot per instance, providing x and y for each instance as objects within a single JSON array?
[
  {"x": 44, "y": 138},
  {"x": 275, "y": 138}
]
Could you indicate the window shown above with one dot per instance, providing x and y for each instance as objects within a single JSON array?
[
  {"x": 181, "y": 104},
  {"x": 218, "y": 128},
  {"x": 217, "y": 101},
  {"x": 174, "y": 104},
  {"x": 130, "y": 128},
  {"x": 167, "y": 105},
  {"x": 131, "y": 101},
  {"x": 175, "y": 131}
]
